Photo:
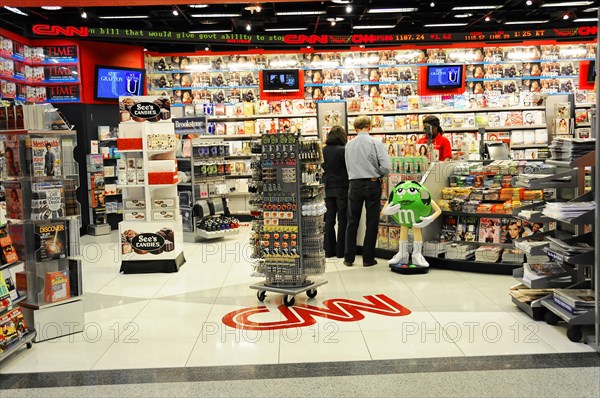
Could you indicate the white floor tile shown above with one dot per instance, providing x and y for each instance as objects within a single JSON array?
[
  {"x": 469, "y": 299},
  {"x": 140, "y": 285},
  {"x": 393, "y": 344},
  {"x": 304, "y": 345},
  {"x": 163, "y": 352}
]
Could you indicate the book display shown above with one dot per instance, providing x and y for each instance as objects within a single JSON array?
[
  {"x": 151, "y": 231},
  {"x": 43, "y": 230}
]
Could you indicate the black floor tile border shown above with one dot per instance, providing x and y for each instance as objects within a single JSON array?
[{"x": 280, "y": 371}]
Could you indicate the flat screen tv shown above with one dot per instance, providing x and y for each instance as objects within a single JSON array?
[
  {"x": 112, "y": 82},
  {"x": 284, "y": 80},
  {"x": 440, "y": 77},
  {"x": 591, "y": 76}
]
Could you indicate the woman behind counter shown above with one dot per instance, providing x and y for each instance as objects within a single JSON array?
[{"x": 335, "y": 178}]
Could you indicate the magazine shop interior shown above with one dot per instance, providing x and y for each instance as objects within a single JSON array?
[{"x": 167, "y": 209}]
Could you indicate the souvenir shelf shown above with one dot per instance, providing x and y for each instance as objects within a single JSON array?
[
  {"x": 288, "y": 235},
  {"x": 44, "y": 221},
  {"x": 151, "y": 231}
]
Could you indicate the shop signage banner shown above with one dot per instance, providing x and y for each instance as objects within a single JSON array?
[
  {"x": 62, "y": 73},
  {"x": 62, "y": 54},
  {"x": 63, "y": 93},
  {"x": 578, "y": 33},
  {"x": 190, "y": 125}
]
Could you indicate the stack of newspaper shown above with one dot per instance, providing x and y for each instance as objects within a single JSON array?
[
  {"x": 569, "y": 149},
  {"x": 512, "y": 255},
  {"x": 567, "y": 211},
  {"x": 460, "y": 251},
  {"x": 488, "y": 254},
  {"x": 535, "y": 271},
  {"x": 434, "y": 248},
  {"x": 575, "y": 301},
  {"x": 532, "y": 247}
]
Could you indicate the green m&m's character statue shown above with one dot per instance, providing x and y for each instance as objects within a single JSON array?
[{"x": 411, "y": 206}]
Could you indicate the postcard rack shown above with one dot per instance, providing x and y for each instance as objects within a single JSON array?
[{"x": 288, "y": 234}]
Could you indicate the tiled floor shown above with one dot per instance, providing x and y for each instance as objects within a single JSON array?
[{"x": 174, "y": 320}]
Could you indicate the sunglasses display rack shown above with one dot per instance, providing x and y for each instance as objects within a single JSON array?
[{"x": 287, "y": 201}]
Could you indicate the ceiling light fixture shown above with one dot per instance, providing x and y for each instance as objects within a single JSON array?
[
  {"x": 287, "y": 13},
  {"x": 568, "y": 4},
  {"x": 389, "y": 10},
  {"x": 432, "y": 4},
  {"x": 586, "y": 20},
  {"x": 198, "y": 5},
  {"x": 591, "y": 9},
  {"x": 125, "y": 17},
  {"x": 83, "y": 14},
  {"x": 16, "y": 10},
  {"x": 466, "y": 15},
  {"x": 211, "y": 31},
  {"x": 253, "y": 8},
  {"x": 566, "y": 16},
  {"x": 341, "y": 1},
  {"x": 284, "y": 29},
  {"x": 475, "y": 8},
  {"x": 439, "y": 25},
  {"x": 145, "y": 49},
  {"x": 333, "y": 22},
  {"x": 52, "y": 8},
  {"x": 374, "y": 26},
  {"x": 248, "y": 27},
  {"x": 175, "y": 12},
  {"x": 348, "y": 9},
  {"x": 216, "y": 15},
  {"x": 488, "y": 18},
  {"x": 524, "y": 22},
  {"x": 207, "y": 48},
  {"x": 529, "y": 2}
]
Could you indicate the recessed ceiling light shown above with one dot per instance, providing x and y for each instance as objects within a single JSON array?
[
  {"x": 145, "y": 49},
  {"x": 475, "y": 8},
  {"x": 175, "y": 12},
  {"x": 209, "y": 22},
  {"x": 125, "y": 17},
  {"x": 568, "y": 4},
  {"x": 216, "y": 15},
  {"x": 591, "y": 9},
  {"x": 284, "y": 29},
  {"x": 432, "y": 4},
  {"x": 341, "y": 1},
  {"x": 439, "y": 25},
  {"x": 83, "y": 14},
  {"x": 488, "y": 18},
  {"x": 374, "y": 26},
  {"x": 566, "y": 16},
  {"x": 248, "y": 27},
  {"x": 465, "y": 15},
  {"x": 15, "y": 10},
  {"x": 52, "y": 8},
  {"x": 586, "y": 20},
  {"x": 300, "y": 13},
  {"x": 211, "y": 31},
  {"x": 198, "y": 5},
  {"x": 524, "y": 22},
  {"x": 348, "y": 9},
  {"x": 390, "y": 10},
  {"x": 207, "y": 48},
  {"x": 529, "y": 2}
]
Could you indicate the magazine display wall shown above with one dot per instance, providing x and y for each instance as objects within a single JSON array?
[
  {"x": 40, "y": 180},
  {"x": 38, "y": 74},
  {"x": 151, "y": 230},
  {"x": 288, "y": 234}
]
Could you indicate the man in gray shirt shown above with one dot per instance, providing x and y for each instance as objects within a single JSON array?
[{"x": 367, "y": 163}]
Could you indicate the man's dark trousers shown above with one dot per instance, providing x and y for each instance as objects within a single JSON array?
[{"x": 367, "y": 191}]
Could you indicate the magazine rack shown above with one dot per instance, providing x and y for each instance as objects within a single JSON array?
[{"x": 41, "y": 177}]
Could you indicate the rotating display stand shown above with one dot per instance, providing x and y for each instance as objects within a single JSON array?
[{"x": 288, "y": 235}]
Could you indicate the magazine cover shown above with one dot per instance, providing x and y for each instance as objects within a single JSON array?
[
  {"x": 47, "y": 200},
  {"x": 14, "y": 200},
  {"x": 10, "y": 284},
  {"x": 467, "y": 228},
  {"x": 56, "y": 287},
  {"x": 489, "y": 230},
  {"x": 11, "y": 156},
  {"x": 9, "y": 254},
  {"x": 448, "y": 229},
  {"x": 51, "y": 241},
  {"x": 510, "y": 229},
  {"x": 382, "y": 237},
  {"x": 45, "y": 159},
  {"x": 394, "y": 238}
]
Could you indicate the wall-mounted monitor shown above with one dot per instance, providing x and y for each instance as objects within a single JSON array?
[
  {"x": 591, "y": 75},
  {"x": 440, "y": 77},
  {"x": 112, "y": 82},
  {"x": 284, "y": 80}
]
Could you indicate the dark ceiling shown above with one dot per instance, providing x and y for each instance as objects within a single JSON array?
[{"x": 269, "y": 19}]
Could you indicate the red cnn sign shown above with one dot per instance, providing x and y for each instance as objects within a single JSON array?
[
  {"x": 53, "y": 30},
  {"x": 303, "y": 315}
]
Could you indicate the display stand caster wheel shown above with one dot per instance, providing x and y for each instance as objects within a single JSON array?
[
  {"x": 409, "y": 269},
  {"x": 28, "y": 345},
  {"x": 261, "y": 295},
  {"x": 575, "y": 334},
  {"x": 289, "y": 300},
  {"x": 312, "y": 293},
  {"x": 551, "y": 318}
]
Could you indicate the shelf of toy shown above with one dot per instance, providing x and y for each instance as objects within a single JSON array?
[
  {"x": 26, "y": 340},
  {"x": 545, "y": 282},
  {"x": 5, "y": 266},
  {"x": 589, "y": 159},
  {"x": 216, "y": 234}
]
